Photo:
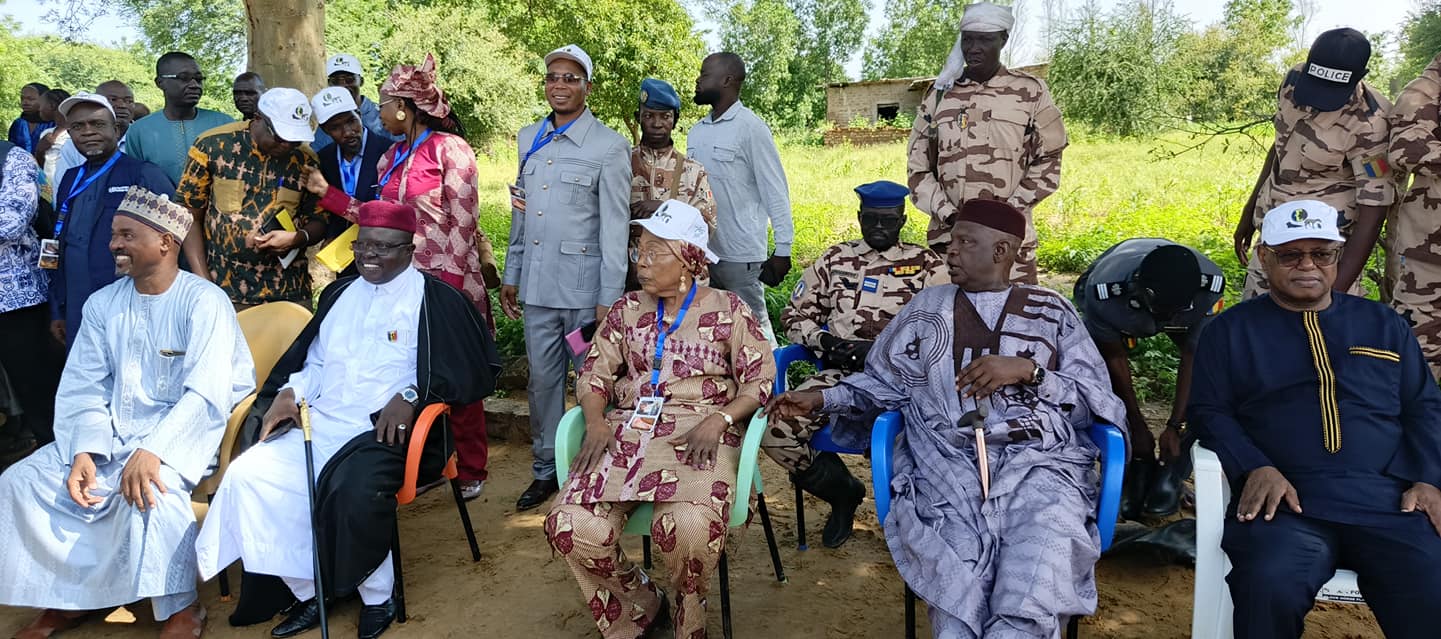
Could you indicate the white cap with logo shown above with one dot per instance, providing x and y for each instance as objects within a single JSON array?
[
  {"x": 342, "y": 63},
  {"x": 676, "y": 220},
  {"x": 332, "y": 101},
  {"x": 289, "y": 114},
  {"x": 1300, "y": 220},
  {"x": 574, "y": 53},
  {"x": 85, "y": 97}
]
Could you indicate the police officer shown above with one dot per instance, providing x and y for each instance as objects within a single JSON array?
[
  {"x": 985, "y": 131},
  {"x": 1331, "y": 139},
  {"x": 1137, "y": 289},
  {"x": 1414, "y": 236},
  {"x": 839, "y": 306}
]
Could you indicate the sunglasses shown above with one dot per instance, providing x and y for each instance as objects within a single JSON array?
[
  {"x": 567, "y": 78},
  {"x": 1319, "y": 257}
]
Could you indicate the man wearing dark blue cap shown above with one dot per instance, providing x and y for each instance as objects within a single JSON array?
[
  {"x": 1331, "y": 141},
  {"x": 839, "y": 306},
  {"x": 659, "y": 172}
]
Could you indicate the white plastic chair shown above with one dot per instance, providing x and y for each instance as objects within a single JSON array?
[{"x": 1212, "y": 615}]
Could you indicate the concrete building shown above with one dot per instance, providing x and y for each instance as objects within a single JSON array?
[{"x": 881, "y": 100}]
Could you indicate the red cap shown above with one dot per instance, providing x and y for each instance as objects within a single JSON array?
[
  {"x": 387, "y": 215},
  {"x": 994, "y": 214}
]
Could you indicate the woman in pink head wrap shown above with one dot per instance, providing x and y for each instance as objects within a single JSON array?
[{"x": 433, "y": 170}]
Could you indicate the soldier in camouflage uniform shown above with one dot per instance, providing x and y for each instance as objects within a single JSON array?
[
  {"x": 839, "y": 306},
  {"x": 658, "y": 171},
  {"x": 1415, "y": 234},
  {"x": 984, "y": 131},
  {"x": 1331, "y": 138}
]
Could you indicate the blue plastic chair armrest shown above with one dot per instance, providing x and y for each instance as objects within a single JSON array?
[
  {"x": 883, "y": 441},
  {"x": 1112, "y": 443},
  {"x": 787, "y": 355}
]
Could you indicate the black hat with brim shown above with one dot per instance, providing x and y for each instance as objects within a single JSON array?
[{"x": 1333, "y": 68}]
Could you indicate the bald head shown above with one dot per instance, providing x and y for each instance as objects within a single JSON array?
[{"x": 121, "y": 98}]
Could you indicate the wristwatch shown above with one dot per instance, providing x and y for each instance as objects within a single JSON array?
[
  {"x": 730, "y": 421},
  {"x": 1037, "y": 376},
  {"x": 410, "y": 395}
]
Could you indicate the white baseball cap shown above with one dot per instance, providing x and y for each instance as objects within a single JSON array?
[
  {"x": 676, "y": 220},
  {"x": 289, "y": 114},
  {"x": 1300, "y": 220},
  {"x": 330, "y": 102},
  {"x": 571, "y": 52},
  {"x": 85, "y": 97},
  {"x": 342, "y": 62}
]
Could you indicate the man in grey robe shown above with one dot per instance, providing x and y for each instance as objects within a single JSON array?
[
  {"x": 1015, "y": 558},
  {"x": 102, "y": 517}
]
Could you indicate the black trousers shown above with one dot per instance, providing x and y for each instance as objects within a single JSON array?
[
  {"x": 33, "y": 361},
  {"x": 1278, "y": 566}
]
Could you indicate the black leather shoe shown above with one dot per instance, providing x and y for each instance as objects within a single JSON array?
[
  {"x": 539, "y": 491},
  {"x": 662, "y": 621},
  {"x": 828, "y": 478},
  {"x": 1133, "y": 491},
  {"x": 302, "y": 617},
  {"x": 374, "y": 620},
  {"x": 1164, "y": 497},
  {"x": 261, "y": 598}
]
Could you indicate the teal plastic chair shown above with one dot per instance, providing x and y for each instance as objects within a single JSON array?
[{"x": 571, "y": 433}]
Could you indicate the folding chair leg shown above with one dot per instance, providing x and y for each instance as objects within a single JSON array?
[
  {"x": 725, "y": 584},
  {"x": 465, "y": 520},
  {"x": 645, "y": 551},
  {"x": 1073, "y": 627},
  {"x": 800, "y": 515},
  {"x": 398, "y": 594},
  {"x": 910, "y": 613},
  {"x": 770, "y": 537}
]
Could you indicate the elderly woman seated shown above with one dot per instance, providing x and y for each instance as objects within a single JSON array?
[{"x": 672, "y": 378}]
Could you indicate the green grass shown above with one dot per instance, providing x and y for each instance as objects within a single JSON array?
[{"x": 1111, "y": 190}]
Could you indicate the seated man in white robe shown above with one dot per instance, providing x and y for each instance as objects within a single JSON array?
[
  {"x": 101, "y": 517},
  {"x": 379, "y": 348}
]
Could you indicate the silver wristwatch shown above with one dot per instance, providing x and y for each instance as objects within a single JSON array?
[{"x": 410, "y": 395}]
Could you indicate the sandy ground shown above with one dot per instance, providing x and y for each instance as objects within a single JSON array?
[{"x": 519, "y": 590}]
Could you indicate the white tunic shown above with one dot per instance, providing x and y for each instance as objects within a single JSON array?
[
  {"x": 158, "y": 372},
  {"x": 364, "y": 354}
]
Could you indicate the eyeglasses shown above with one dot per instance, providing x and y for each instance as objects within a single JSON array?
[
  {"x": 1319, "y": 257},
  {"x": 186, "y": 78},
  {"x": 379, "y": 249},
  {"x": 568, "y": 78},
  {"x": 651, "y": 256}
]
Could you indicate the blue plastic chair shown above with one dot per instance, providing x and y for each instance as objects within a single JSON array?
[
  {"x": 1107, "y": 437},
  {"x": 820, "y": 441},
  {"x": 571, "y": 433}
]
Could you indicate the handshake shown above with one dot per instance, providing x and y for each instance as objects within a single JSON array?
[{"x": 848, "y": 355}]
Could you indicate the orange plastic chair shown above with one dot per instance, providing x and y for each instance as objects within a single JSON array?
[{"x": 419, "y": 433}]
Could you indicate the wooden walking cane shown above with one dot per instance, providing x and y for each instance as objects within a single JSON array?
[{"x": 314, "y": 524}]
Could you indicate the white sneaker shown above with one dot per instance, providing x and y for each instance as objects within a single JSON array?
[{"x": 471, "y": 489}]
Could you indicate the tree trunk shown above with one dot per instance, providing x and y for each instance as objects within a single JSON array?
[{"x": 287, "y": 42}]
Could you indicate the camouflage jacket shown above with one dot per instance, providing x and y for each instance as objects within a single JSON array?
[
  {"x": 999, "y": 139},
  {"x": 1413, "y": 233},
  {"x": 654, "y": 176},
  {"x": 1338, "y": 157},
  {"x": 853, "y": 290}
]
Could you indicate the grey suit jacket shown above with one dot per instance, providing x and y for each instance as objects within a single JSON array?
[{"x": 568, "y": 247}]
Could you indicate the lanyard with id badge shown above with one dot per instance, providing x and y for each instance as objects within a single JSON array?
[
  {"x": 50, "y": 249},
  {"x": 647, "y": 409},
  {"x": 517, "y": 192}
]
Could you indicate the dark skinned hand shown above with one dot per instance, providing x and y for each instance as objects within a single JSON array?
[
  {"x": 788, "y": 406},
  {"x": 510, "y": 300},
  {"x": 1245, "y": 232},
  {"x": 1265, "y": 489},
  {"x": 700, "y": 443},
  {"x": 774, "y": 269},
  {"x": 1425, "y": 498},
  {"x": 392, "y": 428},
  {"x": 141, "y": 471},
  {"x": 1170, "y": 445},
  {"x": 283, "y": 415},
  {"x": 986, "y": 375},
  {"x": 599, "y": 439},
  {"x": 82, "y": 480}
]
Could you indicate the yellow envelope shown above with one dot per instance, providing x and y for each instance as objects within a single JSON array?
[{"x": 337, "y": 254}]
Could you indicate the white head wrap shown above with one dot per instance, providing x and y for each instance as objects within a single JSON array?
[{"x": 981, "y": 17}]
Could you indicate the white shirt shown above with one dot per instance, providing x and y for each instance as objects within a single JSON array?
[{"x": 745, "y": 173}]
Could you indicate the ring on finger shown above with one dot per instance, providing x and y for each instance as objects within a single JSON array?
[{"x": 401, "y": 427}]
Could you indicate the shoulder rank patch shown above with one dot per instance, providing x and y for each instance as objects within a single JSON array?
[
  {"x": 799, "y": 290},
  {"x": 1372, "y": 166},
  {"x": 1102, "y": 292},
  {"x": 902, "y": 271}
]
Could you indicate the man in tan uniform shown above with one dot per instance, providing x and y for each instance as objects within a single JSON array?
[
  {"x": 984, "y": 131},
  {"x": 658, "y": 171},
  {"x": 839, "y": 307},
  {"x": 1331, "y": 137},
  {"x": 1415, "y": 233}
]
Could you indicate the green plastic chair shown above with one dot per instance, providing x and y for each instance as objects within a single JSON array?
[{"x": 568, "y": 439}]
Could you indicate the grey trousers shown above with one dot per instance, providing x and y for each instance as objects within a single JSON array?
[
  {"x": 545, "y": 330},
  {"x": 743, "y": 279}
]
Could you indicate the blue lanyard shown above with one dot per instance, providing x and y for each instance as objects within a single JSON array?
[
  {"x": 663, "y": 332},
  {"x": 79, "y": 187},
  {"x": 350, "y": 171},
  {"x": 542, "y": 138},
  {"x": 405, "y": 155}
]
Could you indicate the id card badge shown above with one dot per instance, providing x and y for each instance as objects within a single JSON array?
[
  {"x": 49, "y": 254},
  {"x": 647, "y": 413},
  {"x": 517, "y": 198}
]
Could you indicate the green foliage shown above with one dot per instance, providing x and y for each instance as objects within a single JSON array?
[
  {"x": 1420, "y": 39},
  {"x": 213, "y": 31},
  {"x": 1230, "y": 71},
  {"x": 75, "y": 66},
  {"x": 16, "y": 70},
  {"x": 916, "y": 37},
  {"x": 764, "y": 33}
]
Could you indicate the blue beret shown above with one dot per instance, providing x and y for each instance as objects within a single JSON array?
[
  {"x": 658, "y": 95},
  {"x": 882, "y": 194}
]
